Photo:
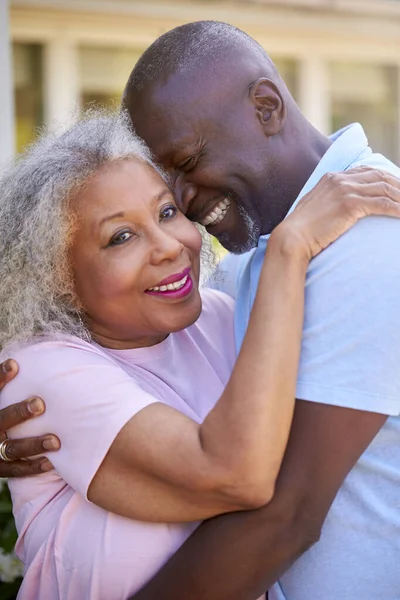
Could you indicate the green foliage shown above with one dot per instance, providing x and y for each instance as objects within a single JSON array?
[
  {"x": 10, "y": 568},
  {"x": 8, "y": 534}
]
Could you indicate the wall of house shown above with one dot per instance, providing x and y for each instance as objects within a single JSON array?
[{"x": 341, "y": 60}]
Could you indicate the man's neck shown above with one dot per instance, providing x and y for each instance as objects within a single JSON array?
[{"x": 305, "y": 157}]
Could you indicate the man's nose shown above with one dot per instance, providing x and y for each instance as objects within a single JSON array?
[{"x": 184, "y": 193}]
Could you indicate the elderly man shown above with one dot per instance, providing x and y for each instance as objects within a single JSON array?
[{"x": 217, "y": 115}]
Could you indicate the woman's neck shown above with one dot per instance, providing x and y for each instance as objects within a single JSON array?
[{"x": 113, "y": 343}]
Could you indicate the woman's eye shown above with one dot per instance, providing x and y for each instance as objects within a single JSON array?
[
  {"x": 120, "y": 238},
  {"x": 168, "y": 212}
]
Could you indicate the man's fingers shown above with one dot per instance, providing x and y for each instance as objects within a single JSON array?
[
  {"x": 17, "y": 449},
  {"x": 8, "y": 370},
  {"x": 25, "y": 468},
  {"x": 19, "y": 413}
]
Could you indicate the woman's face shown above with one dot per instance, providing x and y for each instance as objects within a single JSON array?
[{"x": 135, "y": 257}]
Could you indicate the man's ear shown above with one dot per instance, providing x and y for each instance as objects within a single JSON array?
[{"x": 269, "y": 105}]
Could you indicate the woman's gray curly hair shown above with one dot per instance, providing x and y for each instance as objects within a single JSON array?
[{"x": 37, "y": 294}]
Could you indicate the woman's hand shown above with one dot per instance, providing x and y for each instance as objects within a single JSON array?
[
  {"x": 334, "y": 205},
  {"x": 17, "y": 451}
]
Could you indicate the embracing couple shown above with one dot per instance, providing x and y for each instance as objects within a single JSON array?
[{"x": 205, "y": 441}]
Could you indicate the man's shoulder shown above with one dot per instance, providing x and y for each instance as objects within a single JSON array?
[
  {"x": 366, "y": 254},
  {"x": 370, "y": 246}
]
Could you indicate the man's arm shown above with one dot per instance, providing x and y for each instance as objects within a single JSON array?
[{"x": 240, "y": 555}]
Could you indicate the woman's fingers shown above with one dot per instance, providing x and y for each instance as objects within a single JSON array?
[
  {"x": 365, "y": 182},
  {"x": 25, "y": 468},
  {"x": 364, "y": 175},
  {"x": 338, "y": 201}
]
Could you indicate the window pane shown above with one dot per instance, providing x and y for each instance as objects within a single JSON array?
[
  {"x": 367, "y": 94},
  {"x": 28, "y": 92},
  {"x": 104, "y": 73}
]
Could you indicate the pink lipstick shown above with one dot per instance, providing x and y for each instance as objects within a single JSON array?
[{"x": 173, "y": 287}]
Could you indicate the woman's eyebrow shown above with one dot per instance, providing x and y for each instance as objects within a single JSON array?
[
  {"x": 160, "y": 195},
  {"x": 110, "y": 217},
  {"x": 154, "y": 200}
]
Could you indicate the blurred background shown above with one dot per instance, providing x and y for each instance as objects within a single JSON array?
[{"x": 341, "y": 59}]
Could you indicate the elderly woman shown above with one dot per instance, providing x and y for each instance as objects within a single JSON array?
[{"x": 100, "y": 306}]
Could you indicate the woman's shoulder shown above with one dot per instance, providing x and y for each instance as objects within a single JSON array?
[{"x": 49, "y": 350}]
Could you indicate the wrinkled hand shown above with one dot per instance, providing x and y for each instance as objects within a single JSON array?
[
  {"x": 18, "y": 450},
  {"x": 336, "y": 203}
]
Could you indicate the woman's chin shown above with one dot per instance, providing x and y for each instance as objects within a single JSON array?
[{"x": 185, "y": 315}]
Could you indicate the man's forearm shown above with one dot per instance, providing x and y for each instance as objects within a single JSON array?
[{"x": 236, "y": 556}]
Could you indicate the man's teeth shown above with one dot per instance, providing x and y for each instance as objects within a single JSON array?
[
  {"x": 217, "y": 213},
  {"x": 170, "y": 286}
]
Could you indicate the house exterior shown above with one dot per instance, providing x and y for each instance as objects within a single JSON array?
[{"x": 341, "y": 59}]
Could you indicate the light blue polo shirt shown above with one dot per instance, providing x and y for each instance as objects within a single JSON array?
[{"x": 351, "y": 358}]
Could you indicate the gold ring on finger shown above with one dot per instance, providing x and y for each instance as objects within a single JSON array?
[{"x": 3, "y": 451}]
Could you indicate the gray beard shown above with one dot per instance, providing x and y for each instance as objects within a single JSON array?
[{"x": 253, "y": 234}]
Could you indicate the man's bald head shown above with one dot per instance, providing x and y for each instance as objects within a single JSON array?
[{"x": 188, "y": 49}]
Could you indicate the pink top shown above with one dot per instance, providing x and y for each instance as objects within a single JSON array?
[{"x": 71, "y": 548}]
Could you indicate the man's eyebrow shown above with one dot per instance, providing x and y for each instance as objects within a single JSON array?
[
  {"x": 180, "y": 145},
  {"x": 155, "y": 199}
]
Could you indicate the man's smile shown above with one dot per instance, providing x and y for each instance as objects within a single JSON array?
[
  {"x": 216, "y": 214},
  {"x": 211, "y": 212}
]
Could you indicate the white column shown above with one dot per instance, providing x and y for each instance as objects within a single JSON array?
[
  {"x": 61, "y": 80},
  {"x": 314, "y": 92},
  {"x": 7, "y": 123}
]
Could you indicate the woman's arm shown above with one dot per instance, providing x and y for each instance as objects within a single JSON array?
[{"x": 163, "y": 466}]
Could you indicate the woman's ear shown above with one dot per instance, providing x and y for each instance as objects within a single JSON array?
[{"x": 269, "y": 105}]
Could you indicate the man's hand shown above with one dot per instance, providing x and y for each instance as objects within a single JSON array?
[{"x": 18, "y": 451}]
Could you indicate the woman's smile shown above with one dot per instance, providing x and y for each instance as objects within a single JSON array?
[{"x": 173, "y": 287}]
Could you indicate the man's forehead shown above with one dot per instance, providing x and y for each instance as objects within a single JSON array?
[
  {"x": 177, "y": 142},
  {"x": 178, "y": 110},
  {"x": 167, "y": 127}
]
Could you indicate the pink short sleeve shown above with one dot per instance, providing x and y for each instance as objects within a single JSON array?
[{"x": 88, "y": 396}]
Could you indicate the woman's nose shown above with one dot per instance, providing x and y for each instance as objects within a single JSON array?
[
  {"x": 166, "y": 246},
  {"x": 184, "y": 193}
]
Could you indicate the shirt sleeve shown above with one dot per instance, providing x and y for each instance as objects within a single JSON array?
[
  {"x": 88, "y": 396},
  {"x": 351, "y": 341}
]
